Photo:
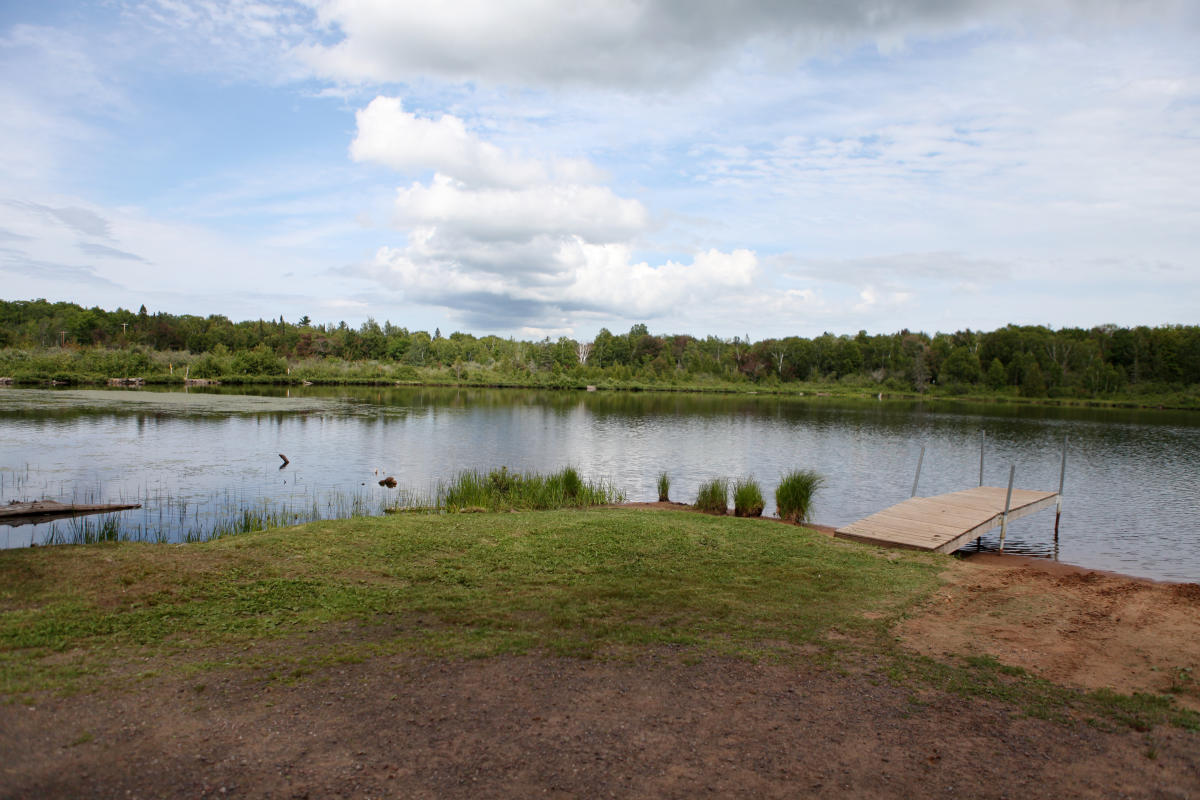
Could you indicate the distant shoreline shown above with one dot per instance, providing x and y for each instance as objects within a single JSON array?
[{"x": 809, "y": 392}]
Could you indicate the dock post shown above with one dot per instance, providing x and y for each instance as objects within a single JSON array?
[
  {"x": 1062, "y": 476},
  {"x": 1012, "y": 470},
  {"x": 920, "y": 459},
  {"x": 982, "y": 440}
]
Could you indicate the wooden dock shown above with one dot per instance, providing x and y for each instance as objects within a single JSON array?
[
  {"x": 945, "y": 523},
  {"x": 17, "y": 514}
]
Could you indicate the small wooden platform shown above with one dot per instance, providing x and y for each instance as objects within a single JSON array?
[
  {"x": 946, "y": 522},
  {"x": 17, "y": 514}
]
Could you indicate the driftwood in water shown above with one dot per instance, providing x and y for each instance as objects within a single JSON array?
[{"x": 44, "y": 510}]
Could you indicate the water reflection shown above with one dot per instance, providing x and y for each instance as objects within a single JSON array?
[{"x": 1131, "y": 486}]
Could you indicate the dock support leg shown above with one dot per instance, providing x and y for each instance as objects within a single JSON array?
[
  {"x": 982, "y": 441},
  {"x": 1012, "y": 471},
  {"x": 920, "y": 459},
  {"x": 1062, "y": 476}
]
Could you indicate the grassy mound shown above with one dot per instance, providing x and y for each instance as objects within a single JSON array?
[
  {"x": 288, "y": 602},
  {"x": 577, "y": 582}
]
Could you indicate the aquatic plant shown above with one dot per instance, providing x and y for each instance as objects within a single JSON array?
[
  {"x": 795, "y": 494},
  {"x": 664, "y": 487},
  {"x": 747, "y": 498},
  {"x": 713, "y": 497},
  {"x": 502, "y": 490}
]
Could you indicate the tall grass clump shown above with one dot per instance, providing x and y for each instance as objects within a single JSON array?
[
  {"x": 714, "y": 496},
  {"x": 747, "y": 498},
  {"x": 501, "y": 490},
  {"x": 794, "y": 497},
  {"x": 664, "y": 487}
]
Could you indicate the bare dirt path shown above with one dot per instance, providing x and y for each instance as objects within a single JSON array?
[{"x": 558, "y": 727}]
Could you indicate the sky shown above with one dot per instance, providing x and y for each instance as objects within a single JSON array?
[{"x": 537, "y": 168}]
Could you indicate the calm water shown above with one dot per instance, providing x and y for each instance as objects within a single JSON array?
[{"x": 1131, "y": 499}]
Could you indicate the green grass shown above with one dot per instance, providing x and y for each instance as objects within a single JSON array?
[
  {"x": 795, "y": 494},
  {"x": 984, "y": 676},
  {"x": 713, "y": 497},
  {"x": 580, "y": 582},
  {"x": 747, "y": 498},
  {"x": 664, "y": 487},
  {"x": 501, "y": 490},
  {"x": 286, "y": 603}
]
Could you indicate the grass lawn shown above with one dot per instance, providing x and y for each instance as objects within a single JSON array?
[
  {"x": 597, "y": 583},
  {"x": 574, "y": 582}
]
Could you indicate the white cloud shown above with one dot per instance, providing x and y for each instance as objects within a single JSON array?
[
  {"x": 652, "y": 43},
  {"x": 249, "y": 39},
  {"x": 504, "y": 238},
  {"x": 936, "y": 162},
  {"x": 55, "y": 98},
  {"x": 593, "y": 213},
  {"x": 179, "y": 267},
  {"x": 581, "y": 277},
  {"x": 873, "y": 299},
  {"x": 389, "y": 135}
]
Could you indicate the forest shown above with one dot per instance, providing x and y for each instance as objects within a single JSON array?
[{"x": 68, "y": 343}]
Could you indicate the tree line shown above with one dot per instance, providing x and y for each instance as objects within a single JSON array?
[{"x": 1031, "y": 360}]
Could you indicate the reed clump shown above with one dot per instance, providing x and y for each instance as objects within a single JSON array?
[
  {"x": 713, "y": 497},
  {"x": 794, "y": 497},
  {"x": 747, "y": 498},
  {"x": 664, "y": 487},
  {"x": 502, "y": 490}
]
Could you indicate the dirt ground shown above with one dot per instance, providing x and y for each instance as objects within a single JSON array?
[
  {"x": 551, "y": 727},
  {"x": 658, "y": 726},
  {"x": 1074, "y": 626}
]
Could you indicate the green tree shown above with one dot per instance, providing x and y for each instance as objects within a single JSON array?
[
  {"x": 1033, "y": 384},
  {"x": 961, "y": 366},
  {"x": 996, "y": 376}
]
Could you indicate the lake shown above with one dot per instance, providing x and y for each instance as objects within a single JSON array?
[{"x": 198, "y": 460}]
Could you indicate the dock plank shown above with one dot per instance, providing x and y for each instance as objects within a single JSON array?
[{"x": 946, "y": 522}]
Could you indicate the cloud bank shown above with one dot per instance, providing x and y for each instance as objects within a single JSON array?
[
  {"x": 502, "y": 240},
  {"x": 710, "y": 167},
  {"x": 651, "y": 44}
]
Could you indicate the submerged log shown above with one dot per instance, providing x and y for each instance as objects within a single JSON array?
[{"x": 47, "y": 508}]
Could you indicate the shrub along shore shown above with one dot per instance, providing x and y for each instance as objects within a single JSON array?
[
  {"x": 97, "y": 367},
  {"x": 42, "y": 342}
]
